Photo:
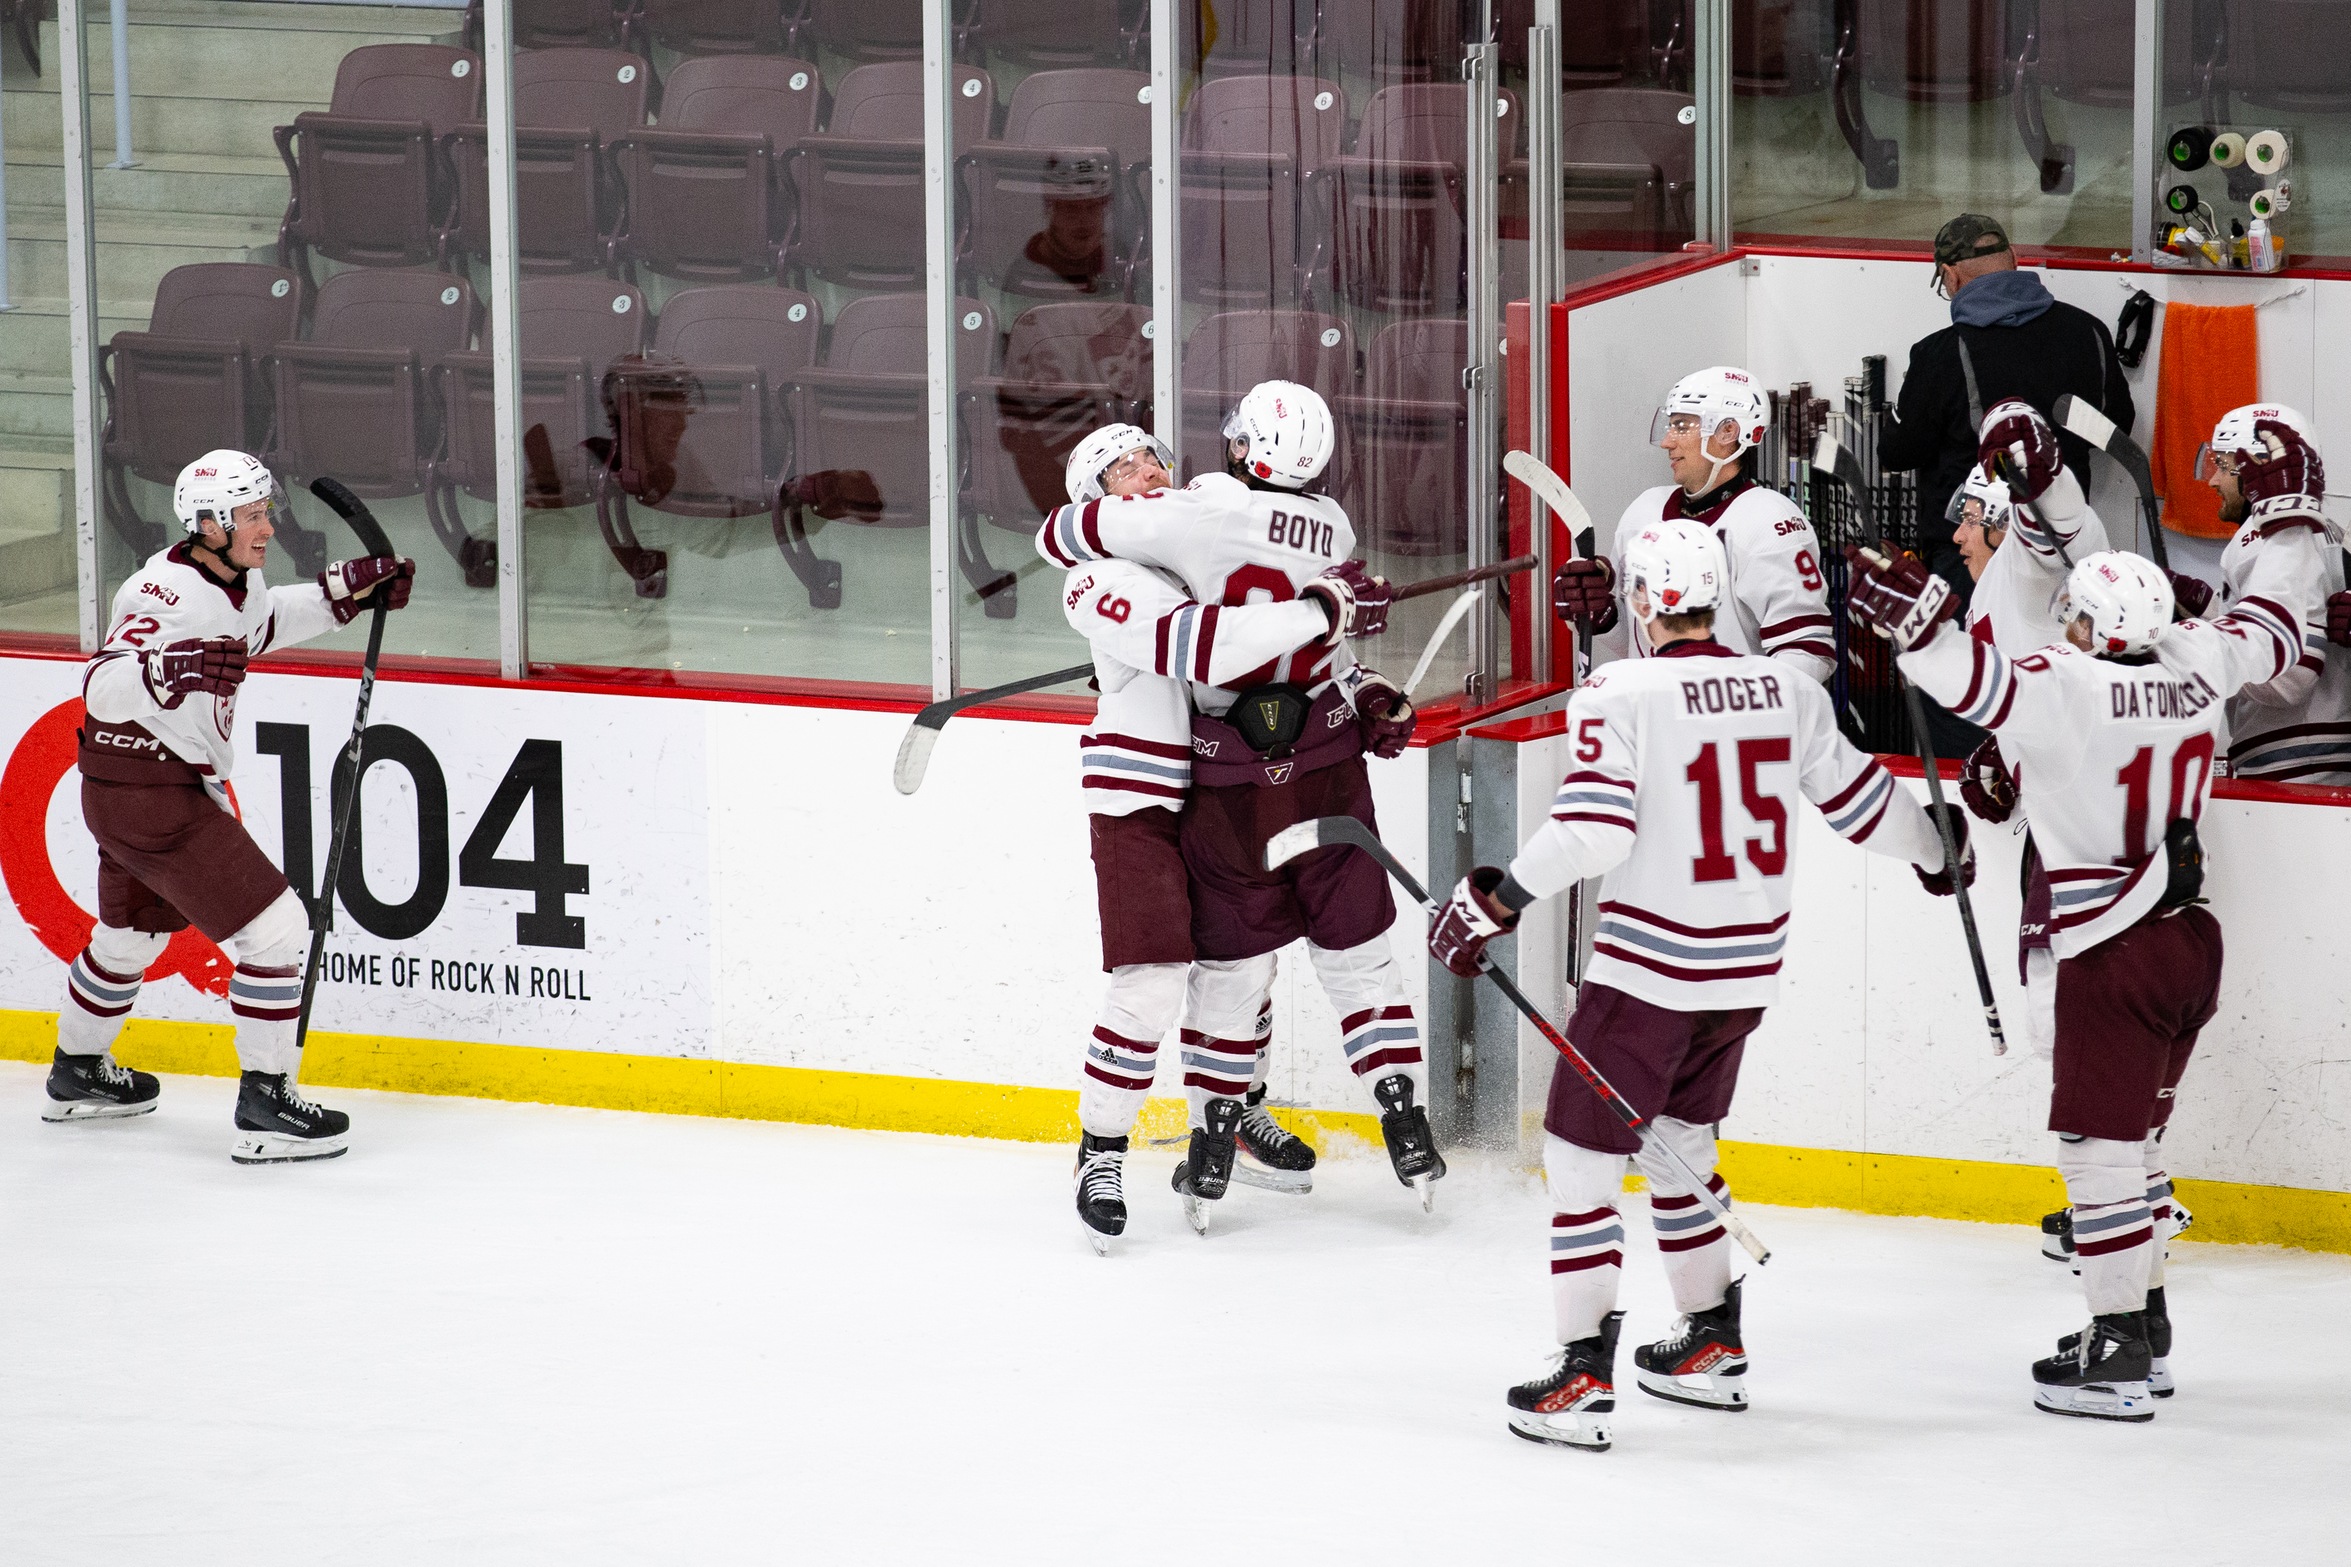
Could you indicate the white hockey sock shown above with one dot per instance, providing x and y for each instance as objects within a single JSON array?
[
  {"x": 1138, "y": 1009},
  {"x": 1216, "y": 1069},
  {"x": 1376, "y": 1026},
  {"x": 2113, "y": 1229},
  {"x": 265, "y": 990},
  {"x": 2162, "y": 1213},
  {"x": 102, "y": 985},
  {"x": 1228, "y": 1017},
  {"x": 1587, "y": 1235},
  {"x": 1691, "y": 1241}
]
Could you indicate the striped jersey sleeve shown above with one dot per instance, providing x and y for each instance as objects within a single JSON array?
[
  {"x": 1138, "y": 617},
  {"x": 1597, "y": 805},
  {"x": 1853, "y": 790}
]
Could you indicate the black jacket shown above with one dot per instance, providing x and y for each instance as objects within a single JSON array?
[{"x": 2063, "y": 349}]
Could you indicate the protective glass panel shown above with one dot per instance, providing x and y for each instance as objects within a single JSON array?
[
  {"x": 37, "y": 570},
  {"x": 2257, "y": 94}
]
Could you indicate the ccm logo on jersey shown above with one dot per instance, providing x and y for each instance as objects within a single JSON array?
[
  {"x": 1205, "y": 748},
  {"x": 1300, "y": 533},
  {"x": 158, "y": 590},
  {"x": 1739, "y": 694},
  {"x": 125, "y": 740}
]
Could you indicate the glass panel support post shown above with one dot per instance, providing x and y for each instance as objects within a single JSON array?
[
  {"x": 505, "y": 338},
  {"x": 81, "y": 292},
  {"x": 1711, "y": 77},
  {"x": 938, "y": 123},
  {"x": 1543, "y": 256},
  {"x": 2146, "y": 132},
  {"x": 1167, "y": 398},
  {"x": 1478, "y": 63},
  {"x": 119, "y": 20}
]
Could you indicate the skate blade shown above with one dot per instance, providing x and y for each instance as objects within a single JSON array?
[
  {"x": 2056, "y": 1254},
  {"x": 1705, "y": 1391},
  {"x": 1099, "y": 1241},
  {"x": 1195, "y": 1213},
  {"x": 2126, "y": 1401},
  {"x": 1584, "y": 1433},
  {"x": 277, "y": 1148},
  {"x": 2159, "y": 1380},
  {"x": 61, "y": 1111},
  {"x": 1294, "y": 1183},
  {"x": 1428, "y": 1193}
]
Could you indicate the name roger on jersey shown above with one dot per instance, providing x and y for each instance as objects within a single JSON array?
[{"x": 1739, "y": 694}]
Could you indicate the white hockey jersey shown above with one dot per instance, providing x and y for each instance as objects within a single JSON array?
[
  {"x": 1779, "y": 601},
  {"x": 1150, "y": 639},
  {"x": 1227, "y": 545},
  {"x": 1685, "y": 770},
  {"x": 173, "y": 599},
  {"x": 2014, "y": 606},
  {"x": 2108, "y": 754},
  {"x": 2296, "y": 728}
]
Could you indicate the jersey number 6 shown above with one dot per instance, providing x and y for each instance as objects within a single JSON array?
[{"x": 1714, "y": 862}]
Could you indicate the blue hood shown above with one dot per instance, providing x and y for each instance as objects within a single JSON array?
[{"x": 2001, "y": 299}]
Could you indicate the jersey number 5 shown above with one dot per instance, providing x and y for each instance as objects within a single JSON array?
[{"x": 1714, "y": 862}]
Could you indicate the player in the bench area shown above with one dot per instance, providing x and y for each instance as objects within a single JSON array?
[
  {"x": 1148, "y": 637},
  {"x": 1776, "y": 602},
  {"x": 158, "y": 741},
  {"x": 2113, "y": 735},
  {"x": 1274, "y": 745},
  {"x": 1682, "y": 797}
]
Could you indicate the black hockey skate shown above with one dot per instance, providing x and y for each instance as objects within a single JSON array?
[
  {"x": 2057, "y": 1238},
  {"x": 1571, "y": 1405},
  {"x": 276, "y": 1125},
  {"x": 1271, "y": 1155},
  {"x": 1412, "y": 1147},
  {"x": 1207, "y": 1169},
  {"x": 1101, "y": 1183},
  {"x": 2101, "y": 1372},
  {"x": 93, "y": 1088},
  {"x": 1704, "y": 1364},
  {"x": 2159, "y": 1381}
]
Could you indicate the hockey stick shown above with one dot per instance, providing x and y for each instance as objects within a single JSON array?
[
  {"x": 2004, "y": 469},
  {"x": 363, "y": 522},
  {"x": 1462, "y": 579},
  {"x": 1833, "y": 458},
  {"x": 922, "y": 736},
  {"x": 1453, "y": 617},
  {"x": 2079, "y": 418},
  {"x": 1330, "y": 831},
  {"x": 1549, "y": 488}
]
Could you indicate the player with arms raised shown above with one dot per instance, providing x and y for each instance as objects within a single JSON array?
[
  {"x": 158, "y": 743},
  {"x": 2113, "y": 735},
  {"x": 1686, "y": 766}
]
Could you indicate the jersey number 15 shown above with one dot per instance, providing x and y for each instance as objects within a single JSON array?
[{"x": 1768, "y": 854}]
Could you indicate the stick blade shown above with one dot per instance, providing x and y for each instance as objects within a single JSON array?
[
  {"x": 1548, "y": 487},
  {"x": 914, "y": 755},
  {"x": 2081, "y": 419},
  {"x": 1428, "y": 655},
  {"x": 353, "y": 510}
]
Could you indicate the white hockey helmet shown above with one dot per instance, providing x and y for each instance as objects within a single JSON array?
[
  {"x": 1679, "y": 566},
  {"x": 1287, "y": 428},
  {"x": 1093, "y": 456},
  {"x": 2128, "y": 601},
  {"x": 1996, "y": 509},
  {"x": 216, "y": 484},
  {"x": 1723, "y": 394},
  {"x": 2235, "y": 434}
]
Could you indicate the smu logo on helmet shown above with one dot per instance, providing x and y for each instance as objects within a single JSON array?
[
  {"x": 1738, "y": 376},
  {"x": 208, "y": 473},
  {"x": 1281, "y": 410},
  {"x": 2109, "y": 573}
]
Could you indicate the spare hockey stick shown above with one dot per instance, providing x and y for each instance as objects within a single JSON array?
[
  {"x": 1549, "y": 488},
  {"x": 2079, "y": 418},
  {"x": 1833, "y": 458},
  {"x": 1462, "y": 579},
  {"x": 1331, "y": 831},
  {"x": 363, "y": 522},
  {"x": 914, "y": 752},
  {"x": 1453, "y": 617}
]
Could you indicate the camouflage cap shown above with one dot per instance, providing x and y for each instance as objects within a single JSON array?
[{"x": 1967, "y": 236}]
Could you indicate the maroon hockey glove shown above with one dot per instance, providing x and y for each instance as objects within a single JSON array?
[
  {"x": 1985, "y": 784},
  {"x": 1356, "y": 601},
  {"x": 1585, "y": 590},
  {"x": 2287, "y": 485},
  {"x": 2190, "y": 596},
  {"x": 2339, "y": 620},
  {"x": 348, "y": 582},
  {"x": 215, "y": 665},
  {"x": 1896, "y": 597},
  {"x": 1466, "y": 923},
  {"x": 1938, "y": 881},
  {"x": 2016, "y": 430},
  {"x": 1388, "y": 717}
]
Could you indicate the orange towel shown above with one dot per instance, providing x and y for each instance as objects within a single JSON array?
[{"x": 2211, "y": 364}]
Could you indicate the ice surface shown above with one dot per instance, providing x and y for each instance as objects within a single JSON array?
[{"x": 501, "y": 1333}]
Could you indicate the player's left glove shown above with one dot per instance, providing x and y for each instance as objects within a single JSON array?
[
  {"x": 348, "y": 582},
  {"x": 1896, "y": 597},
  {"x": 1938, "y": 880},
  {"x": 2339, "y": 620},
  {"x": 2190, "y": 596},
  {"x": 1984, "y": 783},
  {"x": 1388, "y": 716},
  {"x": 1466, "y": 923},
  {"x": 1356, "y": 601},
  {"x": 2289, "y": 483},
  {"x": 2015, "y": 430}
]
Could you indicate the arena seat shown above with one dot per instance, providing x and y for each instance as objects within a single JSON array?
[
  {"x": 1054, "y": 209},
  {"x": 1393, "y": 41},
  {"x": 1069, "y": 369},
  {"x": 720, "y": 27},
  {"x": 572, "y": 329},
  {"x": 694, "y": 430},
  {"x": 1049, "y": 35},
  {"x": 2293, "y": 55},
  {"x": 1408, "y": 483},
  {"x": 863, "y": 32},
  {"x": 559, "y": 24},
  {"x": 859, "y": 186},
  {"x": 701, "y": 194},
  {"x": 1251, "y": 216},
  {"x": 1251, "y": 37},
  {"x": 1229, "y": 353},
  {"x": 1398, "y": 242},
  {"x": 367, "y": 183},
  {"x": 1629, "y": 154},
  {"x": 192, "y": 382},
  {"x": 567, "y": 104}
]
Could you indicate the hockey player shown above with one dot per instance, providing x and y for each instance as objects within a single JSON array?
[
  {"x": 1776, "y": 603},
  {"x": 157, "y": 747},
  {"x": 1148, "y": 636},
  {"x": 1686, "y": 768},
  {"x": 2014, "y": 603},
  {"x": 2265, "y": 464},
  {"x": 1271, "y": 746},
  {"x": 2114, "y": 734}
]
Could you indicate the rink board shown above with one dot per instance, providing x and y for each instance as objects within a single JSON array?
[{"x": 770, "y": 931}]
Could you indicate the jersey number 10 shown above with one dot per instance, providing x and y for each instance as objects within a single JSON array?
[
  {"x": 2138, "y": 774},
  {"x": 1765, "y": 810}
]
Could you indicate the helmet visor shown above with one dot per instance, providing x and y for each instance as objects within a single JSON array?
[
  {"x": 2210, "y": 462},
  {"x": 1671, "y": 421}
]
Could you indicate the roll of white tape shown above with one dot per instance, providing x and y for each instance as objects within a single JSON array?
[
  {"x": 2266, "y": 152},
  {"x": 2228, "y": 149},
  {"x": 2263, "y": 204}
]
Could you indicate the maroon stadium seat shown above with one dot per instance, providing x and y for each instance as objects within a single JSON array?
[
  {"x": 573, "y": 329},
  {"x": 1630, "y": 162},
  {"x": 1253, "y": 150},
  {"x": 1052, "y": 208},
  {"x": 1068, "y": 369},
  {"x": 1248, "y": 37},
  {"x": 2293, "y": 55},
  {"x": 192, "y": 382},
  {"x": 701, "y": 195},
  {"x": 559, "y": 24},
  {"x": 1399, "y": 243},
  {"x": 862, "y": 415},
  {"x": 707, "y": 27},
  {"x": 1405, "y": 40},
  {"x": 859, "y": 186},
  {"x": 1409, "y": 438},
  {"x": 1228, "y": 354},
  {"x": 864, "y": 31},
  {"x": 1046, "y": 35},
  {"x": 368, "y": 184},
  {"x": 567, "y": 104},
  {"x": 694, "y": 430},
  {"x": 1934, "y": 51}
]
